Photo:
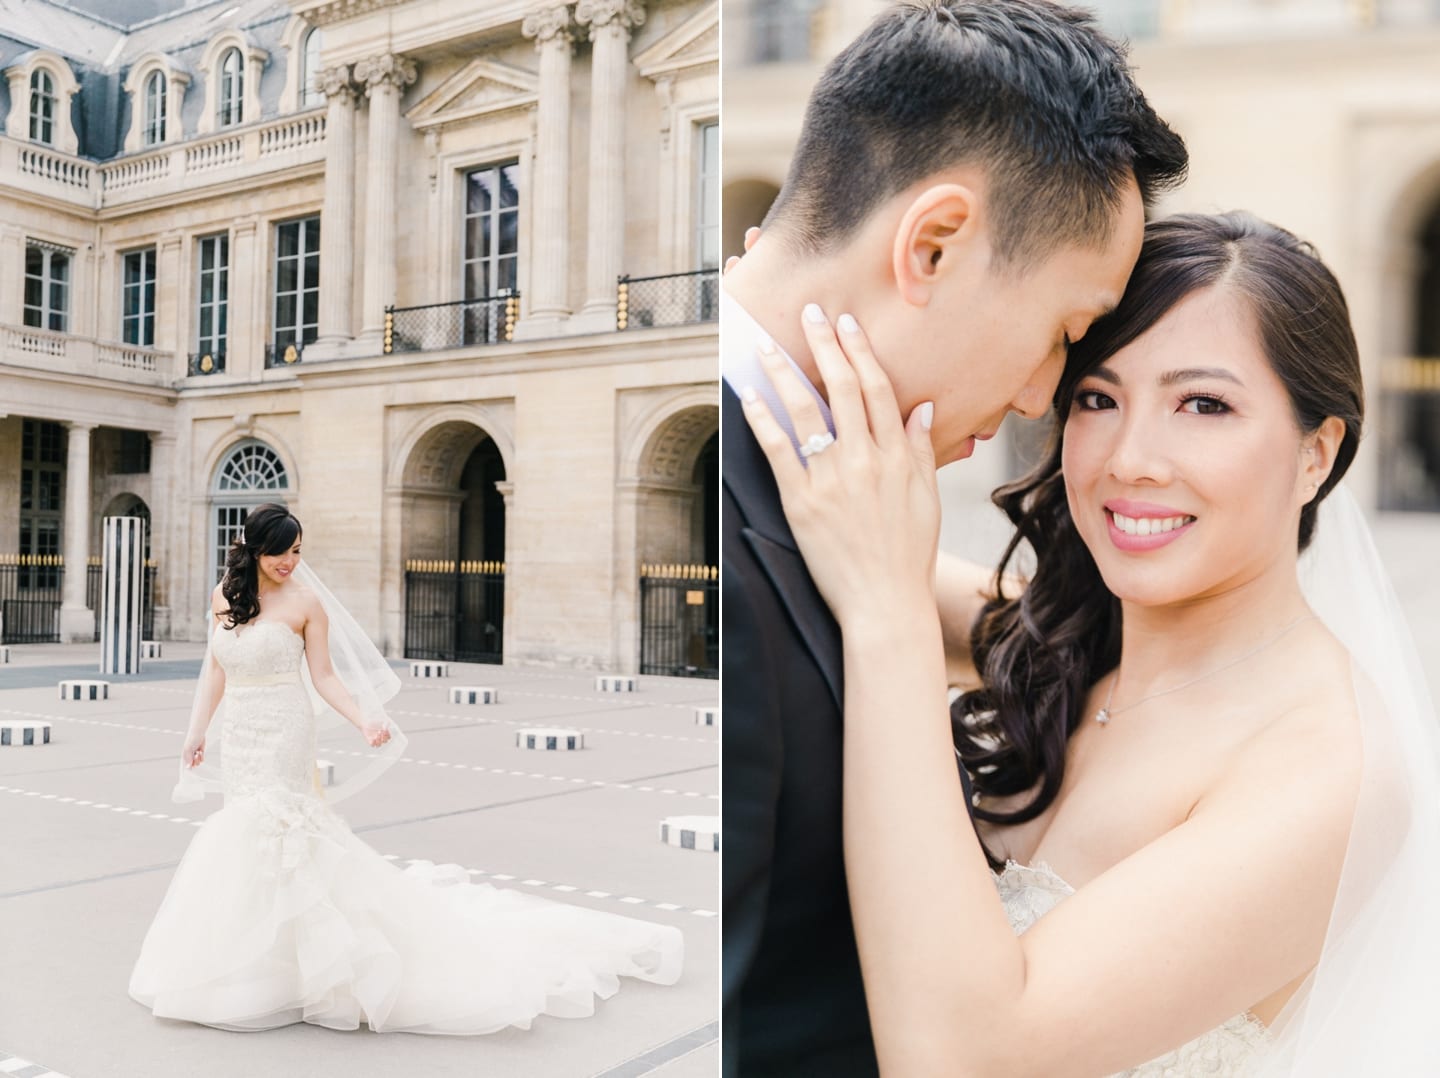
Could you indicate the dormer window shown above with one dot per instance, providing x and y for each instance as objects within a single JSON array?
[
  {"x": 310, "y": 95},
  {"x": 42, "y": 107},
  {"x": 232, "y": 89},
  {"x": 155, "y": 94}
]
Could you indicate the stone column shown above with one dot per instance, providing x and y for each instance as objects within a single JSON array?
[
  {"x": 245, "y": 348},
  {"x": 337, "y": 218},
  {"x": 383, "y": 77},
  {"x": 549, "y": 271},
  {"x": 162, "y": 516},
  {"x": 610, "y": 22},
  {"x": 171, "y": 325},
  {"x": 77, "y": 621},
  {"x": 12, "y": 283}
]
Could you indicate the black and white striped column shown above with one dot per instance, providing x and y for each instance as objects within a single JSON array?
[{"x": 122, "y": 585}]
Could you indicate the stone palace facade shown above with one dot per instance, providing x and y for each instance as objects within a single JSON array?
[{"x": 437, "y": 274}]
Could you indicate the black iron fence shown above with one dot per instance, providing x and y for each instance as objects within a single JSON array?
[
  {"x": 455, "y": 611},
  {"x": 32, "y": 587},
  {"x": 93, "y": 581},
  {"x": 672, "y": 299},
  {"x": 680, "y": 620},
  {"x": 30, "y": 594},
  {"x": 437, "y": 326}
]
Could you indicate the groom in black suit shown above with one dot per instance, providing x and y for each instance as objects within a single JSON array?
[{"x": 970, "y": 184}]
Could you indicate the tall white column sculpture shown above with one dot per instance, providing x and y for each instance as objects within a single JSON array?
[
  {"x": 610, "y": 22},
  {"x": 337, "y": 217},
  {"x": 384, "y": 77},
  {"x": 122, "y": 591},
  {"x": 549, "y": 276},
  {"x": 77, "y": 621}
]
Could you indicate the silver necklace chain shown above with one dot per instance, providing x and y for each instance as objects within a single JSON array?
[{"x": 1105, "y": 714}]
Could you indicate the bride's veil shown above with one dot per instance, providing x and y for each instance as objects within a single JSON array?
[
  {"x": 366, "y": 675},
  {"x": 1371, "y": 1005}
]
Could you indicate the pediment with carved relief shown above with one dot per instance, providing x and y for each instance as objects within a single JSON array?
[
  {"x": 480, "y": 88},
  {"x": 693, "y": 44}
]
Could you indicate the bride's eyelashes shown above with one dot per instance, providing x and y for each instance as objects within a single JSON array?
[{"x": 1093, "y": 400}]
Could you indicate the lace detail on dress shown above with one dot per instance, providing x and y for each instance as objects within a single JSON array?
[
  {"x": 267, "y": 738},
  {"x": 1233, "y": 1049}
]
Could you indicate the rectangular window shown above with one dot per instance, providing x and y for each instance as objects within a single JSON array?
[
  {"x": 42, "y": 506},
  {"x": 137, "y": 300},
  {"x": 213, "y": 298},
  {"x": 707, "y": 194},
  {"x": 47, "y": 286},
  {"x": 229, "y": 523},
  {"x": 490, "y": 259},
  {"x": 297, "y": 284}
]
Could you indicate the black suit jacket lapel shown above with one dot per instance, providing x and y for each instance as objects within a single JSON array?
[{"x": 748, "y": 477}]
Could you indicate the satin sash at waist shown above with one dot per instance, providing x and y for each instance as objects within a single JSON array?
[{"x": 239, "y": 682}]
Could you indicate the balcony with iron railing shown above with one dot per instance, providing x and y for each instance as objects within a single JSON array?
[
  {"x": 439, "y": 326},
  {"x": 670, "y": 299}
]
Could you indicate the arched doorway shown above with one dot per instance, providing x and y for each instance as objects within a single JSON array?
[
  {"x": 1410, "y": 400},
  {"x": 453, "y": 545},
  {"x": 678, "y": 545},
  {"x": 250, "y": 474}
]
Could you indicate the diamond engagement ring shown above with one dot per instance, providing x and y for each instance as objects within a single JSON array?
[{"x": 816, "y": 443}]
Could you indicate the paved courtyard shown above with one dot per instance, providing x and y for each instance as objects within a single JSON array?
[{"x": 92, "y": 840}]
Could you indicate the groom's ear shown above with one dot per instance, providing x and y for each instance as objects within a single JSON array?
[{"x": 938, "y": 231}]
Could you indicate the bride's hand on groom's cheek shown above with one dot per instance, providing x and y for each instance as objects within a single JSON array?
[{"x": 864, "y": 510}]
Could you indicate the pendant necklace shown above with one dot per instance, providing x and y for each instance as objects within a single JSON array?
[{"x": 1105, "y": 714}]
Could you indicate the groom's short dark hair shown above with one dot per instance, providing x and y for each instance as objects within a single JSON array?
[{"x": 1030, "y": 91}]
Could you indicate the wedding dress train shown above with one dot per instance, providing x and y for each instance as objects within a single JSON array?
[{"x": 279, "y": 914}]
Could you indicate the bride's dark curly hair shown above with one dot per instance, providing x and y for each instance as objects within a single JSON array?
[
  {"x": 1040, "y": 653},
  {"x": 268, "y": 529}
]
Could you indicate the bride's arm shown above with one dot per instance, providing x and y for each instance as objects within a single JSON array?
[
  {"x": 1192, "y": 929},
  {"x": 323, "y": 672},
  {"x": 209, "y": 691}
]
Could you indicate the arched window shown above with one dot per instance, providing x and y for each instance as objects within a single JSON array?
[
  {"x": 42, "y": 107},
  {"x": 310, "y": 94},
  {"x": 251, "y": 474},
  {"x": 155, "y": 93},
  {"x": 232, "y": 90}
]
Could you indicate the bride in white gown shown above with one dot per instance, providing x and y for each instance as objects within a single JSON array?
[
  {"x": 1202, "y": 770},
  {"x": 279, "y": 914}
]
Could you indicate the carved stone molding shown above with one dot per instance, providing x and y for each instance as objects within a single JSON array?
[
  {"x": 549, "y": 24},
  {"x": 598, "y": 14},
  {"x": 386, "y": 69}
]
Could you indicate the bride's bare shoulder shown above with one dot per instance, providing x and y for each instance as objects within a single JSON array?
[{"x": 1315, "y": 731}]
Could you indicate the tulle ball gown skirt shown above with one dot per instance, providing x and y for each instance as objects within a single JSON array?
[{"x": 279, "y": 914}]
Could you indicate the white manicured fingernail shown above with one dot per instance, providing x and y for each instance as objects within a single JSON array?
[
  {"x": 765, "y": 346},
  {"x": 748, "y": 395},
  {"x": 927, "y": 414},
  {"x": 847, "y": 324},
  {"x": 813, "y": 314}
]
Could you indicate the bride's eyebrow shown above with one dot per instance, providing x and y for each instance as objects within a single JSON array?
[{"x": 1195, "y": 374}]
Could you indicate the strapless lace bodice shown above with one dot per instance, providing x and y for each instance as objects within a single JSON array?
[
  {"x": 1031, "y": 891},
  {"x": 268, "y": 735}
]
